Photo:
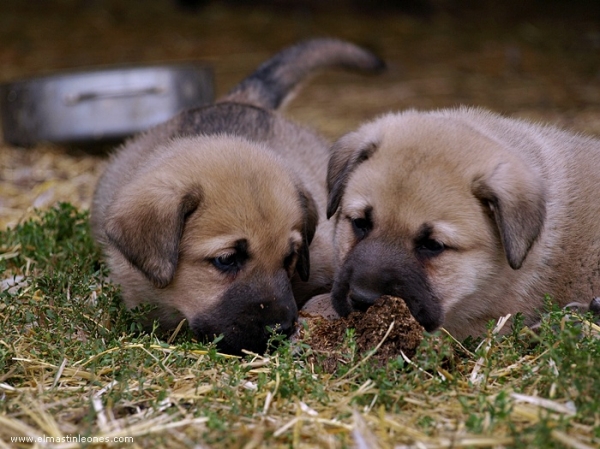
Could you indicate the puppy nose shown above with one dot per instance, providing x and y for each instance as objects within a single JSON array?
[{"x": 362, "y": 298}]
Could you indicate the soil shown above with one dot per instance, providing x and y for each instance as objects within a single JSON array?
[{"x": 327, "y": 338}]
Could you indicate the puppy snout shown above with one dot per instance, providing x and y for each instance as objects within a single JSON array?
[
  {"x": 377, "y": 268},
  {"x": 362, "y": 298},
  {"x": 249, "y": 313}
]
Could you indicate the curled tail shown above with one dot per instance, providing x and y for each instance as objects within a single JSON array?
[{"x": 274, "y": 80}]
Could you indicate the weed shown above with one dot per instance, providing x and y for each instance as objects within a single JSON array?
[{"x": 73, "y": 361}]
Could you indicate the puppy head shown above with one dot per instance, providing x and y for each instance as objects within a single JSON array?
[
  {"x": 217, "y": 226},
  {"x": 428, "y": 209}
]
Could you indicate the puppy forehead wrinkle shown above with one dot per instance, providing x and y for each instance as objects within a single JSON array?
[
  {"x": 218, "y": 244},
  {"x": 355, "y": 206},
  {"x": 450, "y": 233},
  {"x": 222, "y": 224},
  {"x": 445, "y": 231},
  {"x": 197, "y": 243}
]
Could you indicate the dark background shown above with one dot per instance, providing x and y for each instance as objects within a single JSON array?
[{"x": 537, "y": 59}]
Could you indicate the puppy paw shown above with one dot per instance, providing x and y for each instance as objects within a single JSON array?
[
  {"x": 593, "y": 307},
  {"x": 320, "y": 305},
  {"x": 578, "y": 309}
]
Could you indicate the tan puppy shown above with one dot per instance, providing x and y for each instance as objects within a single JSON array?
[
  {"x": 209, "y": 217},
  {"x": 466, "y": 215}
]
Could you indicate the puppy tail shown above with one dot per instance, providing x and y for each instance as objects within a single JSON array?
[{"x": 273, "y": 83}]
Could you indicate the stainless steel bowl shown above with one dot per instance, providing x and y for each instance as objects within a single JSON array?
[{"x": 100, "y": 104}]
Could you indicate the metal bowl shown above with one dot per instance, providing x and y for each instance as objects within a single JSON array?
[{"x": 101, "y": 104}]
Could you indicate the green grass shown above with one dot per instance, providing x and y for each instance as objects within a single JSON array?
[{"x": 73, "y": 364}]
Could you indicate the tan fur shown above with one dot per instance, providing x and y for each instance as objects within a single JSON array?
[
  {"x": 227, "y": 214},
  {"x": 209, "y": 216},
  {"x": 239, "y": 190},
  {"x": 515, "y": 205}
]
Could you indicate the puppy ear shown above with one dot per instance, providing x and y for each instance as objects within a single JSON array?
[
  {"x": 311, "y": 219},
  {"x": 516, "y": 198},
  {"x": 346, "y": 154},
  {"x": 146, "y": 222}
]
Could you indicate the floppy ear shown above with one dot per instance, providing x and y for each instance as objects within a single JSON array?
[
  {"x": 311, "y": 219},
  {"x": 346, "y": 154},
  {"x": 517, "y": 200},
  {"x": 146, "y": 222}
]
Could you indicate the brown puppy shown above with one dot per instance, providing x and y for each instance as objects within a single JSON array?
[
  {"x": 209, "y": 217},
  {"x": 466, "y": 215}
]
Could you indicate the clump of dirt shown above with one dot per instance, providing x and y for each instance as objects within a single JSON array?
[{"x": 327, "y": 338}]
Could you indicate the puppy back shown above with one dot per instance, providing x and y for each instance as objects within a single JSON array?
[{"x": 275, "y": 80}]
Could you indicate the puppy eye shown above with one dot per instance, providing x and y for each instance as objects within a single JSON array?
[
  {"x": 430, "y": 247},
  {"x": 227, "y": 263},
  {"x": 361, "y": 227}
]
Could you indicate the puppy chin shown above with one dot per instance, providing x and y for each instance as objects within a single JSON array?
[
  {"x": 374, "y": 269},
  {"x": 234, "y": 343}
]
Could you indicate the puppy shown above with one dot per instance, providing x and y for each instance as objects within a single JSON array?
[
  {"x": 466, "y": 215},
  {"x": 209, "y": 216}
]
